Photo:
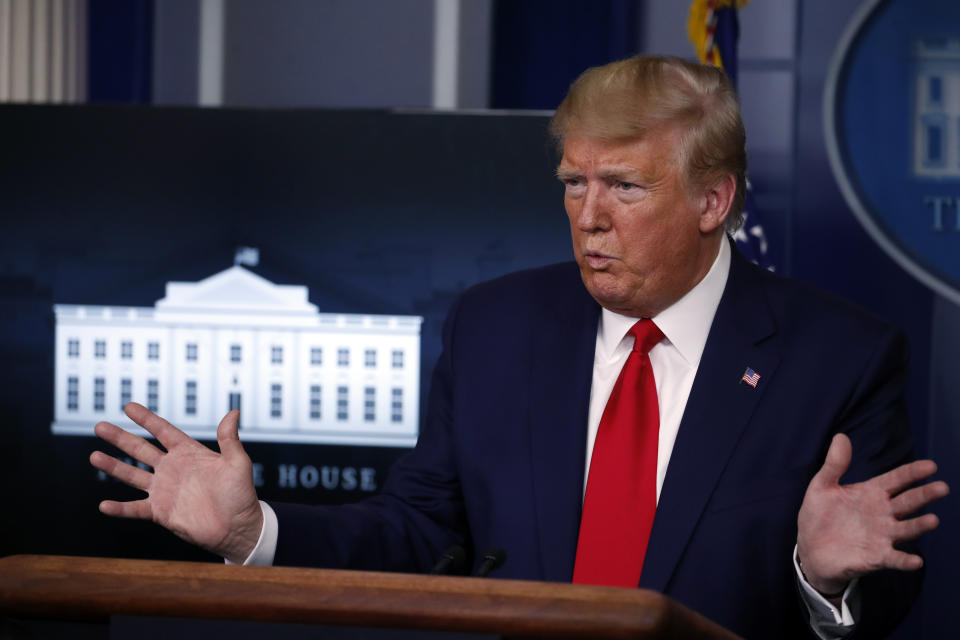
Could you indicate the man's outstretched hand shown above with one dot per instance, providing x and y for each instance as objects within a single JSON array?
[
  {"x": 204, "y": 497},
  {"x": 845, "y": 531}
]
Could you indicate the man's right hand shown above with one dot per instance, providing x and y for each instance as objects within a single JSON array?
[{"x": 204, "y": 497}]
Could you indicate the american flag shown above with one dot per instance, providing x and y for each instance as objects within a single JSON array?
[
  {"x": 714, "y": 29},
  {"x": 249, "y": 256},
  {"x": 751, "y": 377},
  {"x": 750, "y": 237}
]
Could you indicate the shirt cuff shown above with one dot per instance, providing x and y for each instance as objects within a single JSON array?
[
  {"x": 828, "y": 622},
  {"x": 266, "y": 547}
]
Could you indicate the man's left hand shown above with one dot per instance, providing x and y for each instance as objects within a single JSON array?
[{"x": 845, "y": 531}]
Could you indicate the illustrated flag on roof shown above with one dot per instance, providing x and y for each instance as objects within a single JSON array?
[
  {"x": 249, "y": 256},
  {"x": 714, "y": 30}
]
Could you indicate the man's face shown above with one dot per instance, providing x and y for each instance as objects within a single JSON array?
[{"x": 642, "y": 238}]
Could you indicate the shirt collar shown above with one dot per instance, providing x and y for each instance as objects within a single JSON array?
[{"x": 685, "y": 323}]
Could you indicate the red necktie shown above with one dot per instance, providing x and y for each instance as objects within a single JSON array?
[{"x": 621, "y": 497}]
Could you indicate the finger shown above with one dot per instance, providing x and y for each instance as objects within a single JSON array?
[
  {"x": 126, "y": 473},
  {"x": 228, "y": 437},
  {"x": 139, "y": 509},
  {"x": 134, "y": 446},
  {"x": 165, "y": 433},
  {"x": 918, "y": 498},
  {"x": 837, "y": 461},
  {"x": 902, "y": 561},
  {"x": 898, "y": 479},
  {"x": 913, "y": 528}
]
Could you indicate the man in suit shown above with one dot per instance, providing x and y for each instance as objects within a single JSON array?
[{"x": 757, "y": 394}]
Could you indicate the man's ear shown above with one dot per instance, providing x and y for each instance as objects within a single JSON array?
[{"x": 718, "y": 199}]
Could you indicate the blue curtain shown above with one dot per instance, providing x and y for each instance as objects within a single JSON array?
[
  {"x": 120, "y": 47},
  {"x": 541, "y": 46}
]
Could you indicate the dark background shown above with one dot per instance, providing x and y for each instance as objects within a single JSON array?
[{"x": 374, "y": 212}]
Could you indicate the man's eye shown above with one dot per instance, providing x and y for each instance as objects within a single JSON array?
[
  {"x": 626, "y": 186},
  {"x": 572, "y": 182}
]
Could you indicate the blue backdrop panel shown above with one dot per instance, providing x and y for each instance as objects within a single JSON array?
[{"x": 832, "y": 249}]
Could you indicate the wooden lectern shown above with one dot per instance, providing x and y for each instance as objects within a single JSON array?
[{"x": 94, "y": 589}]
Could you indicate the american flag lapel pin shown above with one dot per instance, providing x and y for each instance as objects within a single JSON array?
[{"x": 751, "y": 377}]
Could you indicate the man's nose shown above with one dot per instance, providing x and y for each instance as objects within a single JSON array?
[{"x": 592, "y": 215}]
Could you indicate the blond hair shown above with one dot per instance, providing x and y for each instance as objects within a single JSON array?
[{"x": 626, "y": 99}]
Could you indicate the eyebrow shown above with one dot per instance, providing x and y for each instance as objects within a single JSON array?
[{"x": 616, "y": 172}]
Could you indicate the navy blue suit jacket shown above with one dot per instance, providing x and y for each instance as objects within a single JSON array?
[{"x": 500, "y": 460}]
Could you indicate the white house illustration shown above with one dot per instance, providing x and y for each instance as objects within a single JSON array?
[
  {"x": 936, "y": 136},
  {"x": 236, "y": 340}
]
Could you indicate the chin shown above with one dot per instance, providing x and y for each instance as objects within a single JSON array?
[
  {"x": 607, "y": 297},
  {"x": 615, "y": 299}
]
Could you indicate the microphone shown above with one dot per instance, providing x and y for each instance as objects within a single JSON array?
[
  {"x": 451, "y": 561},
  {"x": 492, "y": 559}
]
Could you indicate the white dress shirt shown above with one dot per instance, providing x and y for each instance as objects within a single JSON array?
[{"x": 685, "y": 326}]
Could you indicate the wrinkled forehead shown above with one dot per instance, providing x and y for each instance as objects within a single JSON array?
[{"x": 661, "y": 145}]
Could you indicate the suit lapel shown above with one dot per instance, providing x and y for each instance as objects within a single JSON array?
[
  {"x": 718, "y": 409},
  {"x": 560, "y": 377}
]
